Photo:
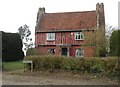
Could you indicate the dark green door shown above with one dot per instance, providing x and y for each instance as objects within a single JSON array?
[{"x": 64, "y": 51}]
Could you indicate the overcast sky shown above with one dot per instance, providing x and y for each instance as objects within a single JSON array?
[{"x": 15, "y": 13}]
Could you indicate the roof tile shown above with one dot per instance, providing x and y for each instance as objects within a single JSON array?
[{"x": 67, "y": 21}]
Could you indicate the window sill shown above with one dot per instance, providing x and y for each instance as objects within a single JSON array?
[
  {"x": 50, "y": 40},
  {"x": 79, "y": 39}
]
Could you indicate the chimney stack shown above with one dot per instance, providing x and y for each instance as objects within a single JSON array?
[
  {"x": 100, "y": 7},
  {"x": 100, "y": 16},
  {"x": 41, "y": 12}
]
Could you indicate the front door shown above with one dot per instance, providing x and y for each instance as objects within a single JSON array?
[{"x": 64, "y": 51}]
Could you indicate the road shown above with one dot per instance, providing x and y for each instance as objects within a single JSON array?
[{"x": 56, "y": 78}]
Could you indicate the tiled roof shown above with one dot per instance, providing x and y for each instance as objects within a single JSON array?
[{"x": 67, "y": 21}]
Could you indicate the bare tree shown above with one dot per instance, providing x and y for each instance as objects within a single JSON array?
[
  {"x": 25, "y": 36},
  {"x": 109, "y": 30}
]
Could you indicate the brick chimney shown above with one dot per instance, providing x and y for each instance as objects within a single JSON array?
[
  {"x": 41, "y": 11},
  {"x": 100, "y": 16}
]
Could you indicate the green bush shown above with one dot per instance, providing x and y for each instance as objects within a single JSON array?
[
  {"x": 115, "y": 43},
  {"x": 32, "y": 51},
  {"x": 11, "y": 47},
  {"x": 107, "y": 67},
  {"x": 97, "y": 65},
  {"x": 111, "y": 67}
]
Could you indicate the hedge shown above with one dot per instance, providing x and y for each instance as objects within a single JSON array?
[
  {"x": 103, "y": 66},
  {"x": 11, "y": 47}
]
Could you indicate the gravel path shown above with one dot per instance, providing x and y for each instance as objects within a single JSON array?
[{"x": 41, "y": 78}]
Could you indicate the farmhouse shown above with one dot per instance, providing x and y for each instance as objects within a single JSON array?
[{"x": 69, "y": 33}]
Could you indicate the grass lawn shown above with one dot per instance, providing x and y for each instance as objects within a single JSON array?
[{"x": 13, "y": 65}]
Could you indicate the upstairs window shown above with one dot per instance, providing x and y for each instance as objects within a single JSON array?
[
  {"x": 50, "y": 36},
  {"x": 79, "y": 36}
]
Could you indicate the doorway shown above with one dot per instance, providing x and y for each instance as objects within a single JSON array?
[{"x": 64, "y": 51}]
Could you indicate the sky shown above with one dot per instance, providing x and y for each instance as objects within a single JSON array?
[{"x": 15, "y": 13}]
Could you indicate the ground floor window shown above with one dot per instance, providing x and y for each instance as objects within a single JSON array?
[
  {"x": 64, "y": 51},
  {"x": 51, "y": 50},
  {"x": 79, "y": 53}
]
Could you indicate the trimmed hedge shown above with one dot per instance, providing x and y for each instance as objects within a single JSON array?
[
  {"x": 11, "y": 47},
  {"x": 103, "y": 66}
]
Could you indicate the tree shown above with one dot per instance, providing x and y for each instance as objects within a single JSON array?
[
  {"x": 11, "y": 47},
  {"x": 100, "y": 39},
  {"x": 115, "y": 43},
  {"x": 25, "y": 36},
  {"x": 109, "y": 30},
  {"x": 96, "y": 39}
]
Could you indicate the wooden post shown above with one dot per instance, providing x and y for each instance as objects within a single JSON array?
[
  {"x": 24, "y": 67},
  {"x": 29, "y": 62},
  {"x": 31, "y": 66}
]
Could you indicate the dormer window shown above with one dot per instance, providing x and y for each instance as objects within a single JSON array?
[
  {"x": 79, "y": 36},
  {"x": 50, "y": 36}
]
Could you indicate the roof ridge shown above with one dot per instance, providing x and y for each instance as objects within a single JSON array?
[{"x": 72, "y": 12}]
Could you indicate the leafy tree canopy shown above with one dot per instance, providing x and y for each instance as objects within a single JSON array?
[
  {"x": 11, "y": 47},
  {"x": 115, "y": 43}
]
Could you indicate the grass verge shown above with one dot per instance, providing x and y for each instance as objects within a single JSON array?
[{"x": 13, "y": 65}]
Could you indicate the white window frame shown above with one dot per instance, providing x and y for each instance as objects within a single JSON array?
[
  {"x": 79, "y": 52},
  {"x": 51, "y": 50},
  {"x": 79, "y": 36},
  {"x": 50, "y": 36}
]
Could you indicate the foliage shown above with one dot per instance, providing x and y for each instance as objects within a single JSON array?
[
  {"x": 107, "y": 67},
  {"x": 101, "y": 42},
  {"x": 25, "y": 33},
  {"x": 32, "y": 51},
  {"x": 100, "y": 39},
  {"x": 13, "y": 65},
  {"x": 96, "y": 39},
  {"x": 11, "y": 47},
  {"x": 115, "y": 43}
]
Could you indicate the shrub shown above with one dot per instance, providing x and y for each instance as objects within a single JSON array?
[
  {"x": 66, "y": 64},
  {"x": 97, "y": 65},
  {"x": 32, "y": 51},
  {"x": 107, "y": 67},
  {"x": 111, "y": 67}
]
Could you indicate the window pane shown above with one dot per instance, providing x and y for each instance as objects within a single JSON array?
[
  {"x": 82, "y": 36},
  {"x": 79, "y": 36},
  {"x": 75, "y": 36},
  {"x": 51, "y": 50},
  {"x": 79, "y": 33},
  {"x": 50, "y": 36}
]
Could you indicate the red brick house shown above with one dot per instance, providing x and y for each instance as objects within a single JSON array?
[{"x": 65, "y": 33}]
